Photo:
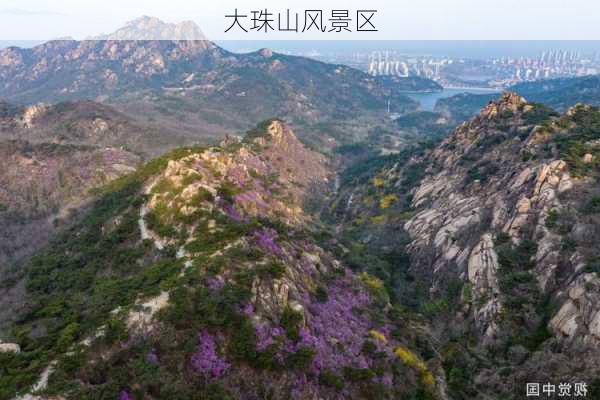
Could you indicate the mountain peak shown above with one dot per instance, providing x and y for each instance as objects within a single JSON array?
[
  {"x": 152, "y": 28},
  {"x": 508, "y": 101}
]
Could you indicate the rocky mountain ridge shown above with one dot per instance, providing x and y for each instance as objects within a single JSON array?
[
  {"x": 86, "y": 123},
  {"x": 42, "y": 184},
  {"x": 53, "y": 156},
  {"x": 195, "y": 85},
  {"x": 200, "y": 275}
]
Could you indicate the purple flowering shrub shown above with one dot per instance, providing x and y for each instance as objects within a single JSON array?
[
  {"x": 206, "y": 361},
  {"x": 124, "y": 395},
  {"x": 266, "y": 239},
  {"x": 215, "y": 283},
  {"x": 152, "y": 357},
  {"x": 336, "y": 332},
  {"x": 232, "y": 212},
  {"x": 247, "y": 309},
  {"x": 267, "y": 336}
]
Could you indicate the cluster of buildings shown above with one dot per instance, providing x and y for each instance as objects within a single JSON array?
[
  {"x": 550, "y": 64},
  {"x": 492, "y": 72},
  {"x": 382, "y": 64}
]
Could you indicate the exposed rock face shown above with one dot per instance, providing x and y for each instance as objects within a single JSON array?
[
  {"x": 9, "y": 348},
  {"x": 266, "y": 53},
  {"x": 31, "y": 113},
  {"x": 579, "y": 316},
  {"x": 483, "y": 276},
  {"x": 480, "y": 188},
  {"x": 295, "y": 170}
]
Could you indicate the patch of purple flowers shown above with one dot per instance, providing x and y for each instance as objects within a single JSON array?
[
  {"x": 387, "y": 379},
  {"x": 337, "y": 331},
  {"x": 206, "y": 361},
  {"x": 215, "y": 283},
  {"x": 247, "y": 309},
  {"x": 266, "y": 239},
  {"x": 124, "y": 395},
  {"x": 253, "y": 197},
  {"x": 237, "y": 175},
  {"x": 266, "y": 336},
  {"x": 232, "y": 212},
  {"x": 152, "y": 357}
]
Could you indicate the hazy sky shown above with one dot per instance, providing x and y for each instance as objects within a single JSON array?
[{"x": 396, "y": 19}]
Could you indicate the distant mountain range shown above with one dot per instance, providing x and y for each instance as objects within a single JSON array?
[
  {"x": 562, "y": 93},
  {"x": 192, "y": 85}
]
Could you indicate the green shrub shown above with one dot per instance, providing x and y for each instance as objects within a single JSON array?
[
  {"x": 592, "y": 267},
  {"x": 202, "y": 196},
  {"x": 301, "y": 359},
  {"x": 592, "y": 206},
  {"x": 502, "y": 238},
  {"x": 539, "y": 115},
  {"x": 68, "y": 336},
  {"x": 552, "y": 219},
  {"x": 272, "y": 270},
  {"x": 321, "y": 294},
  {"x": 358, "y": 374},
  {"x": 568, "y": 244},
  {"x": 227, "y": 191},
  {"x": 242, "y": 345},
  {"x": 291, "y": 321},
  {"x": 435, "y": 307},
  {"x": 331, "y": 379},
  {"x": 369, "y": 347}
]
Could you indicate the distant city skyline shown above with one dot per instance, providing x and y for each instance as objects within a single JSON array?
[
  {"x": 491, "y": 72},
  {"x": 477, "y": 49}
]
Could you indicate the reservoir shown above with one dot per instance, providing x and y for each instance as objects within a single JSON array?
[{"x": 428, "y": 100}]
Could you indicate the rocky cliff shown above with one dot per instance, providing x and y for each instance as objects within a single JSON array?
[{"x": 500, "y": 224}]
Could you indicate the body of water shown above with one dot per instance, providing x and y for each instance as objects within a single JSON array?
[{"x": 428, "y": 100}]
